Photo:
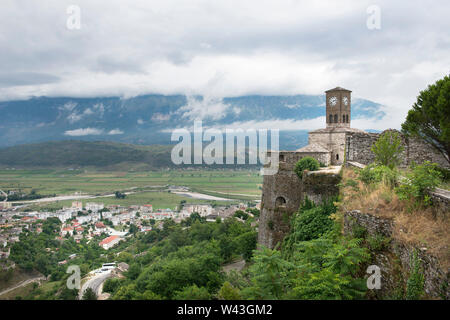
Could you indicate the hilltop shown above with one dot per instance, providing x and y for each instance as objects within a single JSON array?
[{"x": 74, "y": 153}]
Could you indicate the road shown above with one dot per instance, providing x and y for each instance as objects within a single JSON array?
[
  {"x": 95, "y": 283},
  {"x": 72, "y": 197},
  {"x": 201, "y": 196},
  {"x": 22, "y": 284}
]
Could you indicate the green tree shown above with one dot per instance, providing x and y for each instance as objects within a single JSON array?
[
  {"x": 192, "y": 293},
  {"x": 228, "y": 292},
  {"x": 419, "y": 182},
  {"x": 120, "y": 195},
  {"x": 271, "y": 275},
  {"x": 429, "y": 118},
  {"x": 306, "y": 163},
  {"x": 89, "y": 294},
  {"x": 387, "y": 149}
]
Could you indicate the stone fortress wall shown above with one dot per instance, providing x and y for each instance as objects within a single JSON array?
[
  {"x": 284, "y": 191},
  {"x": 358, "y": 145}
]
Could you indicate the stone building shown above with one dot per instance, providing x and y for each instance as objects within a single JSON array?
[{"x": 284, "y": 191}]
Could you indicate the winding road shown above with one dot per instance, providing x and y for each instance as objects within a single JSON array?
[{"x": 95, "y": 283}]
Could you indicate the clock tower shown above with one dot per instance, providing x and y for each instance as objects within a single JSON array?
[{"x": 338, "y": 101}]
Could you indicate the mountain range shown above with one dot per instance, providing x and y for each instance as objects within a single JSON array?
[{"x": 149, "y": 119}]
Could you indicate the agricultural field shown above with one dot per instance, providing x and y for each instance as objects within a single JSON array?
[{"x": 149, "y": 187}]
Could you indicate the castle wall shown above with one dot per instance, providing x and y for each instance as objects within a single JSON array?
[
  {"x": 283, "y": 193},
  {"x": 358, "y": 147},
  {"x": 274, "y": 219},
  {"x": 395, "y": 260}
]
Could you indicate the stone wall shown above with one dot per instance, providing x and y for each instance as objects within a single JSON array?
[
  {"x": 358, "y": 147},
  {"x": 333, "y": 141},
  {"x": 395, "y": 261},
  {"x": 274, "y": 218},
  {"x": 441, "y": 203},
  {"x": 283, "y": 193}
]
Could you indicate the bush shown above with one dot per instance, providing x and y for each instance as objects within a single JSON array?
[
  {"x": 444, "y": 172},
  {"x": 415, "y": 283},
  {"x": 372, "y": 174},
  {"x": 310, "y": 222},
  {"x": 378, "y": 242},
  {"x": 387, "y": 149},
  {"x": 228, "y": 292},
  {"x": 419, "y": 182},
  {"x": 192, "y": 293},
  {"x": 306, "y": 163},
  {"x": 358, "y": 231}
]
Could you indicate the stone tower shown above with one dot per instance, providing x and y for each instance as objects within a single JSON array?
[{"x": 338, "y": 107}]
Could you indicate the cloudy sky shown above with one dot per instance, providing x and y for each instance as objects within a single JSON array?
[{"x": 224, "y": 48}]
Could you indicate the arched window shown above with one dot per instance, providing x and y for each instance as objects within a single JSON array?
[
  {"x": 347, "y": 119},
  {"x": 331, "y": 118},
  {"x": 280, "y": 202},
  {"x": 337, "y": 156},
  {"x": 343, "y": 118},
  {"x": 335, "y": 118}
]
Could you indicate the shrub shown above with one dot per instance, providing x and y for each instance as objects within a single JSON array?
[
  {"x": 352, "y": 183},
  {"x": 372, "y": 174},
  {"x": 228, "y": 292},
  {"x": 306, "y": 163},
  {"x": 192, "y": 293},
  {"x": 387, "y": 149},
  {"x": 311, "y": 221},
  {"x": 378, "y": 242},
  {"x": 358, "y": 231},
  {"x": 419, "y": 182},
  {"x": 415, "y": 283},
  {"x": 444, "y": 172}
]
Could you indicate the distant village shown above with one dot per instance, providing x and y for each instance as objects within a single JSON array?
[{"x": 95, "y": 219}]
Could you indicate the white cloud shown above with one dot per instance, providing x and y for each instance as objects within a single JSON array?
[
  {"x": 160, "y": 117},
  {"x": 224, "y": 48},
  {"x": 83, "y": 132},
  {"x": 140, "y": 121},
  {"x": 115, "y": 132},
  {"x": 207, "y": 108}
]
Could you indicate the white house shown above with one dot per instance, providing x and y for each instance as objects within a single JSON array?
[{"x": 109, "y": 242}]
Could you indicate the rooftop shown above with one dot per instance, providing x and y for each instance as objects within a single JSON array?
[{"x": 338, "y": 89}]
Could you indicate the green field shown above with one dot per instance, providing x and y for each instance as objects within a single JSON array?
[{"x": 240, "y": 185}]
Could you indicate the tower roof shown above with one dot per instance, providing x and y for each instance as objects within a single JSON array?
[{"x": 338, "y": 89}]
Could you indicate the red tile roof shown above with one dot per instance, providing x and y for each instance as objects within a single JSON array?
[{"x": 108, "y": 240}]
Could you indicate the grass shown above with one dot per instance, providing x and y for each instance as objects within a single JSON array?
[
  {"x": 239, "y": 185},
  {"x": 18, "y": 292},
  {"x": 159, "y": 200},
  {"x": 418, "y": 227},
  {"x": 48, "y": 182}
]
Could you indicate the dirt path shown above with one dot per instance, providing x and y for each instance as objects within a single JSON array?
[
  {"x": 236, "y": 266},
  {"x": 22, "y": 284}
]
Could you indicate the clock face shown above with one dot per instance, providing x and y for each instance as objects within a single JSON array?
[
  {"x": 345, "y": 101},
  {"x": 333, "y": 101}
]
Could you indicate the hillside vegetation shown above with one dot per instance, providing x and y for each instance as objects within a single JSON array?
[{"x": 82, "y": 153}]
